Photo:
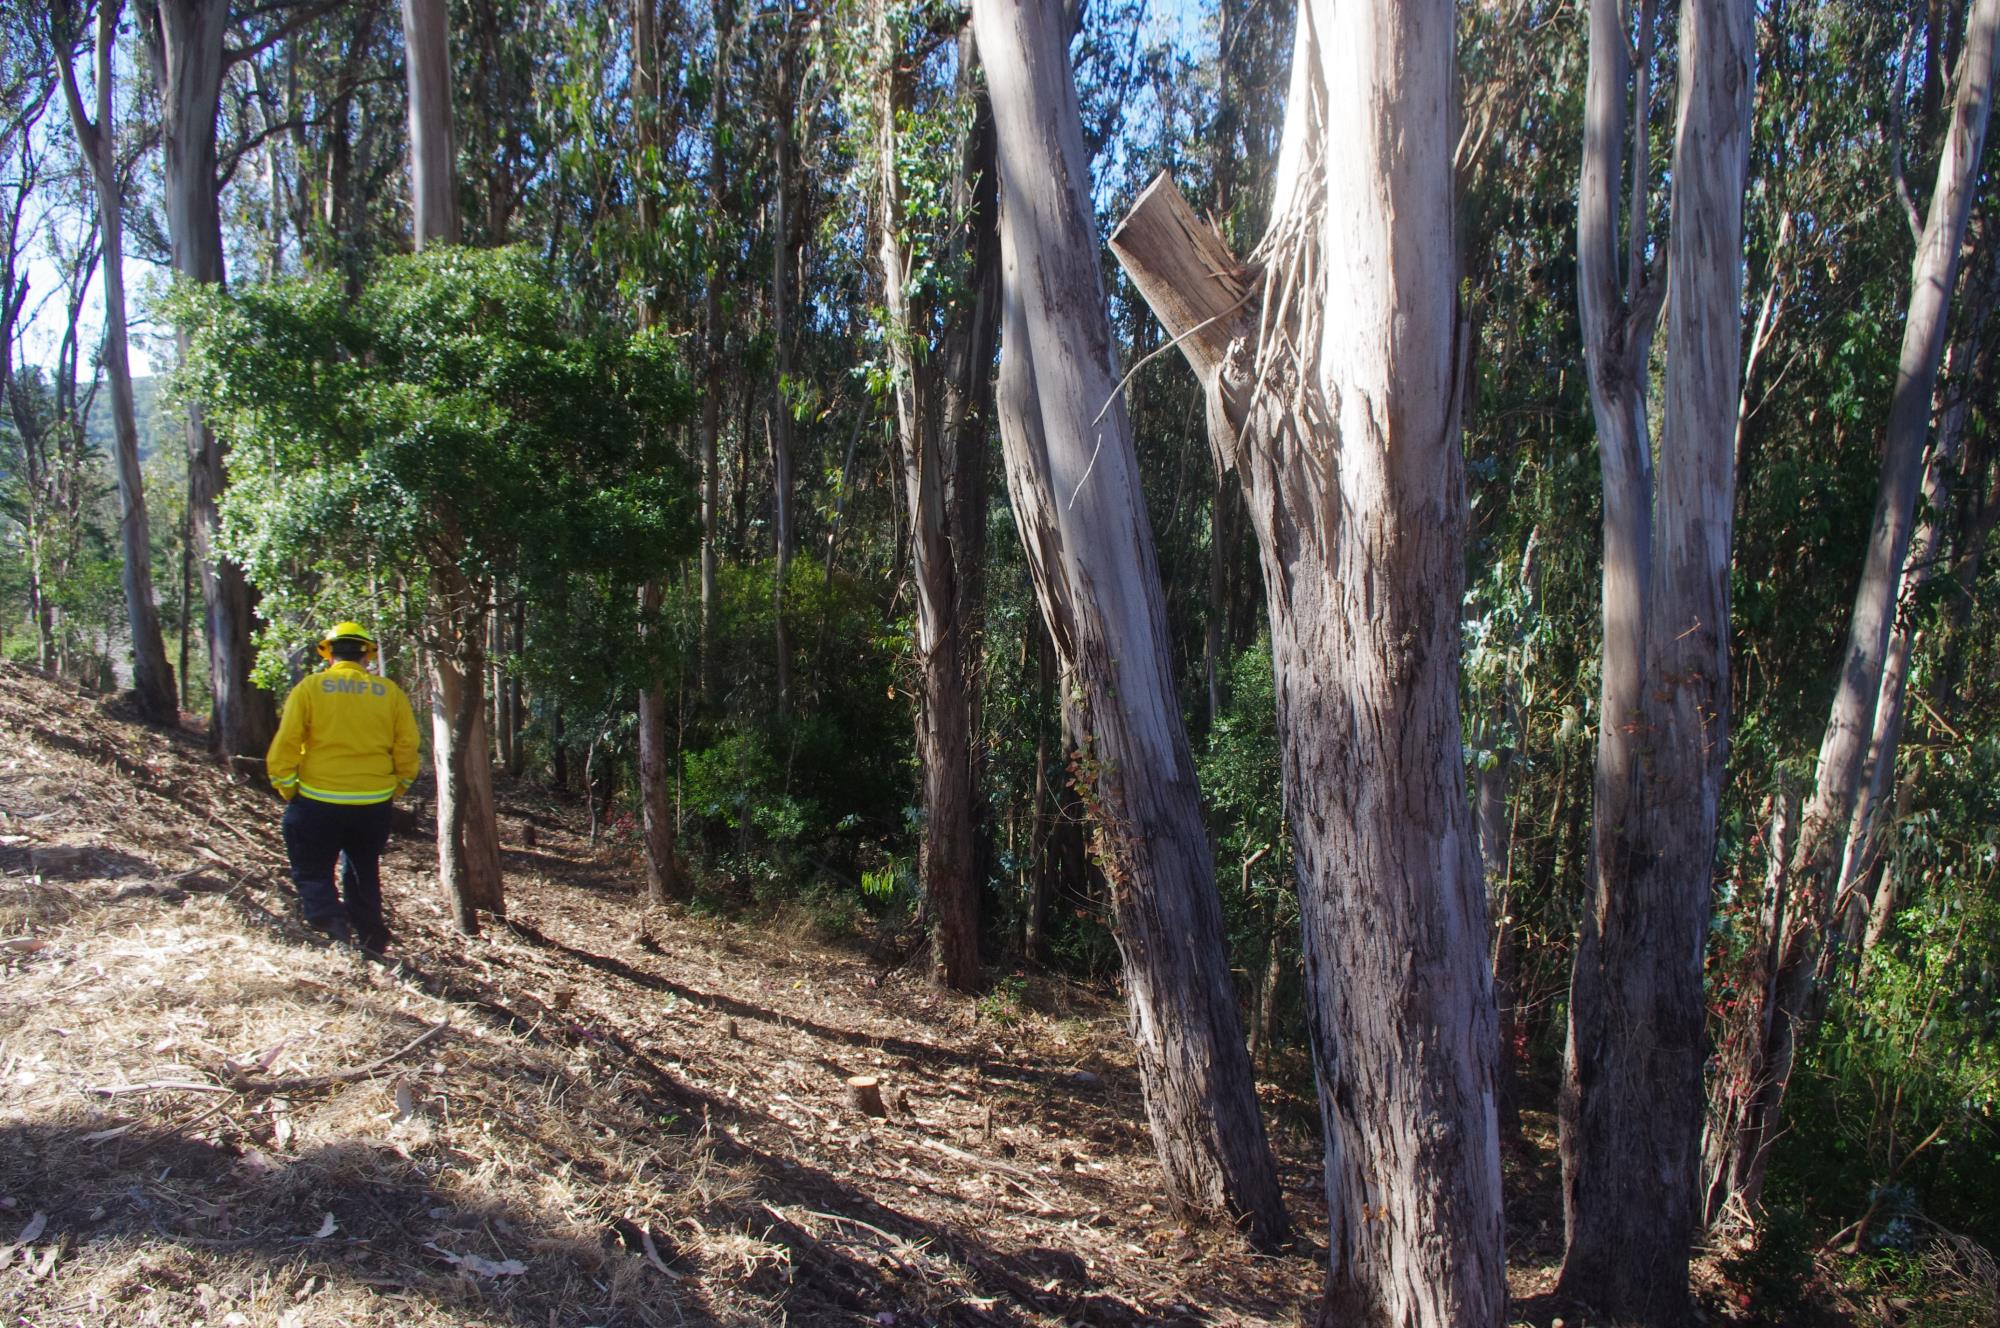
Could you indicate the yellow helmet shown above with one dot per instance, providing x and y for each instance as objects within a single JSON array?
[{"x": 352, "y": 631}]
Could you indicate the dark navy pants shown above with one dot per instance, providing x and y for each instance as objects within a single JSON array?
[{"x": 318, "y": 833}]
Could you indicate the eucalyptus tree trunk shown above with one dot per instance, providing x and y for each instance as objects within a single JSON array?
[
  {"x": 1331, "y": 365},
  {"x": 468, "y": 831},
  {"x": 927, "y": 439},
  {"x": 1866, "y": 897},
  {"x": 433, "y": 168},
  {"x": 784, "y": 204},
  {"x": 1079, "y": 505},
  {"x": 711, "y": 401},
  {"x": 665, "y": 879},
  {"x": 152, "y": 676},
  {"x": 1631, "y": 1106},
  {"x": 185, "y": 44},
  {"x": 1748, "y": 1120}
]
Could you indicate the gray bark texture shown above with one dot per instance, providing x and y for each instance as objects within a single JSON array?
[
  {"x": 1746, "y": 1119},
  {"x": 433, "y": 170},
  {"x": 1631, "y": 1105},
  {"x": 931, "y": 428},
  {"x": 152, "y": 676},
  {"x": 665, "y": 878},
  {"x": 185, "y": 43},
  {"x": 1331, "y": 364},
  {"x": 468, "y": 831},
  {"x": 1078, "y": 502}
]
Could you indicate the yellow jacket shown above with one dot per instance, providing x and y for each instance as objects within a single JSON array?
[{"x": 347, "y": 737}]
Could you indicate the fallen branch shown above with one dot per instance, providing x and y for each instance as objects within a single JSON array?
[
  {"x": 975, "y": 1160},
  {"x": 161, "y": 1086},
  {"x": 246, "y": 1083}
]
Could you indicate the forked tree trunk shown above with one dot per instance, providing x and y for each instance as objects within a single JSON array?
[
  {"x": 1750, "y": 1120},
  {"x": 185, "y": 43},
  {"x": 1632, "y": 1088},
  {"x": 152, "y": 676},
  {"x": 1331, "y": 368},
  {"x": 1074, "y": 476}
]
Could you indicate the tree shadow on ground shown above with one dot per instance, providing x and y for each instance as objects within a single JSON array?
[
  {"x": 156, "y": 1223},
  {"x": 1041, "y": 1079}
]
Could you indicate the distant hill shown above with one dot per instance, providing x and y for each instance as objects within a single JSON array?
[{"x": 156, "y": 428}]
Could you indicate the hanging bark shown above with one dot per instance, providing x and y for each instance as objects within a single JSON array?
[
  {"x": 1748, "y": 1119},
  {"x": 1331, "y": 365},
  {"x": 185, "y": 44},
  {"x": 1074, "y": 477},
  {"x": 1632, "y": 1086},
  {"x": 152, "y": 676}
]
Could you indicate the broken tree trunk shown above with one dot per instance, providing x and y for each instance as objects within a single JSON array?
[{"x": 1331, "y": 368}]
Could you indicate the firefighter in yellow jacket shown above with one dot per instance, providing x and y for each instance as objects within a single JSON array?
[{"x": 346, "y": 746}]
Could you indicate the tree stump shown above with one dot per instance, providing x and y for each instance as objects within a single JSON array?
[{"x": 864, "y": 1094}]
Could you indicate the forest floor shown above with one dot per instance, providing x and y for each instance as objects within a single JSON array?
[{"x": 590, "y": 1114}]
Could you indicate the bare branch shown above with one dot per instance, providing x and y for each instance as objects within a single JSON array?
[
  {"x": 300, "y": 16},
  {"x": 1898, "y": 120},
  {"x": 1635, "y": 222}
]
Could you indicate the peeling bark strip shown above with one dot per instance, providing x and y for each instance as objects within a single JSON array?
[
  {"x": 1748, "y": 1121},
  {"x": 1075, "y": 480},
  {"x": 1345, "y": 433}
]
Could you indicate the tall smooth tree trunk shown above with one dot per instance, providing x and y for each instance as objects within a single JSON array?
[
  {"x": 784, "y": 204},
  {"x": 1749, "y": 1119},
  {"x": 468, "y": 831},
  {"x": 665, "y": 879},
  {"x": 711, "y": 401},
  {"x": 152, "y": 676},
  {"x": 1331, "y": 367},
  {"x": 1074, "y": 477},
  {"x": 433, "y": 169},
  {"x": 929, "y": 429},
  {"x": 1631, "y": 1107},
  {"x": 186, "y": 47}
]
